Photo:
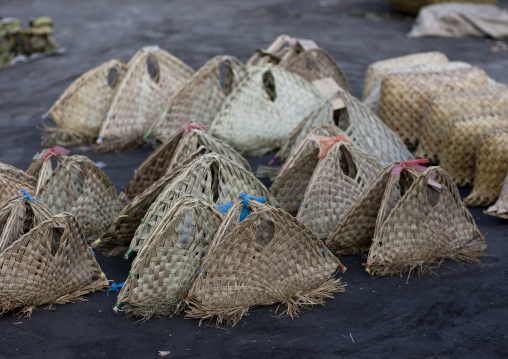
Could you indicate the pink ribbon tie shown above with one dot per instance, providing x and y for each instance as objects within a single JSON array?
[
  {"x": 57, "y": 150},
  {"x": 414, "y": 164},
  {"x": 325, "y": 143},
  {"x": 191, "y": 127}
]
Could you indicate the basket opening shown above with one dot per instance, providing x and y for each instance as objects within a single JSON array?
[
  {"x": 214, "y": 173},
  {"x": 433, "y": 190},
  {"x": 112, "y": 77},
  {"x": 153, "y": 68},
  {"x": 226, "y": 78},
  {"x": 269, "y": 85},
  {"x": 265, "y": 229},
  {"x": 341, "y": 118},
  {"x": 56, "y": 237},
  {"x": 347, "y": 164}
]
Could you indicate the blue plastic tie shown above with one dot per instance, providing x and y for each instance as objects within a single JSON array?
[
  {"x": 304, "y": 206},
  {"x": 100, "y": 138},
  {"x": 202, "y": 271},
  {"x": 45, "y": 116},
  {"x": 28, "y": 197},
  {"x": 326, "y": 248},
  {"x": 91, "y": 250},
  {"x": 224, "y": 208},
  {"x": 115, "y": 287}
]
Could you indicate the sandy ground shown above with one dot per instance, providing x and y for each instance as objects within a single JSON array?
[{"x": 459, "y": 312}]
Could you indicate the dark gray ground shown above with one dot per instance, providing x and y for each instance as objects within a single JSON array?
[{"x": 459, "y": 312}]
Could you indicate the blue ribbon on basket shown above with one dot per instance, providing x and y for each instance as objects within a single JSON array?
[
  {"x": 115, "y": 287},
  {"x": 28, "y": 197},
  {"x": 224, "y": 208}
]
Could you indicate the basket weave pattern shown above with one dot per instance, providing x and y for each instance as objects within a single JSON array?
[{"x": 500, "y": 208}]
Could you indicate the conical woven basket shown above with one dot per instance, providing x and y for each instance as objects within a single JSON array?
[
  {"x": 411, "y": 7},
  {"x": 183, "y": 143},
  {"x": 18, "y": 217},
  {"x": 336, "y": 183},
  {"x": 211, "y": 178},
  {"x": 201, "y": 97},
  {"x": 263, "y": 110},
  {"x": 80, "y": 187},
  {"x": 10, "y": 186},
  {"x": 141, "y": 97},
  {"x": 500, "y": 208},
  {"x": 18, "y": 174},
  {"x": 379, "y": 69},
  {"x": 460, "y": 143},
  {"x": 82, "y": 107},
  {"x": 169, "y": 262},
  {"x": 442, "y": 107},
  {"x": 408, "y": 220},
  {"x": 491, "y": 168},
  {"x": 42, "y": 165},
  {"x": 404, "y": 96},
  {"x": 290, "y": 184},
  {"x": 50, "y": 264},
  {"x": 269, "y": 258}
]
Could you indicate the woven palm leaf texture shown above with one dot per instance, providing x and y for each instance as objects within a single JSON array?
[
  {"x": 404, "y": 96},
  {"x": 268, "y": 258},
  {"x": 411, "y": 7},
  {"x": 212, "y": 178},
  {"x": 408, "y": 220},
  {"x": 339, "y": 178},
  {"x": 169, "y": 155},
  {"x": 201, "y": 97},
  {"x": 79, "y": 187},
  {"x": 491, "y": 167},
  {"x": 19, "y": 174},
  {"x": 442, "y": 107},
  {"x": 42, "y": 165},
  {"x": 82, "y": 108},
  {"x": 460, "y": 143},
  {"x": 500, "y": 208},
  {"x": 379, "y": 69},
  {"x": 10, "y": 187},
  {"x": 154, "y": 75},
  {"x": 259, "y": 115},
  {"x": 165, "y": 268},
  {"x": 51, "y": 264}
]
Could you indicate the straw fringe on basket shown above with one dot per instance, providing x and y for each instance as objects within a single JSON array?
[
  {"x": 81, "y": 109},
  {"x": 460, "y": 143},
  {"x": 182, "y": 144},
  {"x": 491, "y": 168},
  {"x": 411, "y": 7},
  {"x": 201, "y": 97},
  {"x": 379, "y": 69},
  {"x": 500, "y": 208},
  {"x": 404, "y": 95},
  {"x": 442, "y": 107},
  {"x": 80, "y": 187},
  {"x": 268, "y": 258},
  {"x": 53, "y": 265},
  {"x": 141, "y": 97},
  {"x": 165, "y": 268},
  {"x": 336, "y": 183},
  {"x": 263, "y": 110}
]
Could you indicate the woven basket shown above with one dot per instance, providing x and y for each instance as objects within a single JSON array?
[
  {"x": 200, "y": 98},
  {"x": 411, "y": 7},
  {"x": 18, "y": 174},
  {"x": 165, "y": 268},
  {"x": 460, "y": 143},
  {"x": 491, "y": 168},
  {"x": 211, "y": 178},
  {"x": 42, "y": 165},
  {"x": 500, "y": 208},
  {"x": 442, "y": 107},
  {"x": 290, "y": 184},
  {"x": 141, "y": 97},
  {"x": 82, "y": 107},
  {"x": 18, "y": 217},
  {"x": 263, "y": 110},
  {"x": 336, "y": 183},
  {"x": 404, "y": 96},
  {"x": 182, "y": 144},
  {"x": 268, "y": 258},
  {"x": 50, "y": 264},
  {"x": 379, "y": 69},
  {"x": 373, "y": 99},
  {"x": 278, "y": 50},
  {"x": 10, "y": 187},
  {"x": 80, "y": 187}
]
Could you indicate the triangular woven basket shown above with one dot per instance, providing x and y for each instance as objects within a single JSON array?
[
  {"x": 263, "y": 110},
  {"x": 201, "y": 97},
  {"x": 442, "y": 107},
  {"x": 167, "y": 265},
  {"x": 141, "y": 97},
  {"x": 460, "y": 143},
  {"x": 18, "y": 217},
  {"x": 379, "y": 69},
  {"x": 290, "y": 184},
  {"x": 268, "y": 258},
  {"x": 408, "y": 221},
  {"x": 50, "y": 264},
  {"x": 81, "y": 109},
  {"x": 10, "y": 187},
  {"x": 500, "y": 208},
  {"x": 404, "y": 96},
  {"x": 80, "y": 187},
  {"x": 169, "y": 155},
  {"x": 491, "y": 168},
  {"x": 336, "y": 183},
  {"x": 212, "y": 178}
]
